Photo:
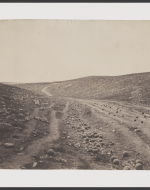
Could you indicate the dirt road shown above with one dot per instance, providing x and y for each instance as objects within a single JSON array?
[
  {"x": 126, "y": 125},
  {"x": 84, "y": 134},
  {"x": 37, "y": 146},
  {"x": 44, "y": 91}
]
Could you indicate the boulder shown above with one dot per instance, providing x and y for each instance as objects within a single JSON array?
[
  {"x": 137, "y": 130},
  {"x": 92, "y": 140},
  {"x": 96, "y": 135},
  {"x": 112, "y": 158},
  {"x": 90, "y": 150},
  {"x": 36, "y": 102},
  {"x": 126, "y": 168},
  {"x": 50, "y": 152},
  {"x": 95, "y": 150},
  {"x": 125, "y": 154},
  {"x": 77, "y": 145},
  {"x": 139, "y": 161},
  {"x": 44, "y": 120},
  {"x": 139, "y": 166},
  {"x": 116, "y": 161},
  {"x": 35, "y": 164},
  {"x": 37, "y": 118},
  {"x": 15, "y": 136},
  {"x": 9, "y": 145},
  {"x": 27, "y": 118}
]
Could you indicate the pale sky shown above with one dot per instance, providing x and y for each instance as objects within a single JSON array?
[{"x": 56, "y": 50}]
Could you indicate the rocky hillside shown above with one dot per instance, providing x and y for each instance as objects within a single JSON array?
[
  {"x": 133, "y": 88},
  {"x": 40, "y": 131}
]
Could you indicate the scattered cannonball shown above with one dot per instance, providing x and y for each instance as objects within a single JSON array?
[
  {"x": 145, "y": 116},
  {"x": 122, "y": 116},
  {"x": 15, "y": 136},
  {"x": 135, "y": 120},
  {"x": 111, "y": 143},
  {"x": 142, "y": 112},
  {"x": 50, "y": 152},
  {"x": 95, "y": 150},
  {"x": 125, "y": 154},
  {"x": 137, "y": 117},
  {"x": 126, "y": 168},
  {"x": 112, "y": 158},
  {"x": 90, "y": 150},
  {"x": 141, "y": 121},
  {"x": 116, "y": 161},
  {"x": 139, "y": 166},
  {"x": 96, "y": 135},
  {"x": 139, "y": 161}
]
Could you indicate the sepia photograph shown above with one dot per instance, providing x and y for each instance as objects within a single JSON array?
[{"x": 74, "y": 94}]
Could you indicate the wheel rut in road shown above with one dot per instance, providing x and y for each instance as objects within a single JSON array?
[{"x": 38, "y": 145}]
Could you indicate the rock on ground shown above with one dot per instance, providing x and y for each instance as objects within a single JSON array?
[{"x": 9, "y": 145}]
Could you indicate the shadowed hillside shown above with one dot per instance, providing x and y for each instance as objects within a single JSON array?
[{"x": 133, "y": 88}]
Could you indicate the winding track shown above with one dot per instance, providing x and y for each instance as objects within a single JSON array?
[
  {"x": 18, "y": 161},
  {"x": 128, "y": 139},
  {"x": 125, "y": 138}
]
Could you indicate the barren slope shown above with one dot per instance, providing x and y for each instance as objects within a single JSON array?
[
  {"x": 85, "y": 122},
  {"x": 134, "y": 88}
]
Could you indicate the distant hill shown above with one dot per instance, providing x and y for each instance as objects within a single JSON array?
[{"x": 133, "y": 88}]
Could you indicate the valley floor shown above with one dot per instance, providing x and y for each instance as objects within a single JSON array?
[{"x": 81, "y": 134}]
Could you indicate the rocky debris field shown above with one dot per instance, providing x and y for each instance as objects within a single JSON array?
[{"x": 38, "y": 131}]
